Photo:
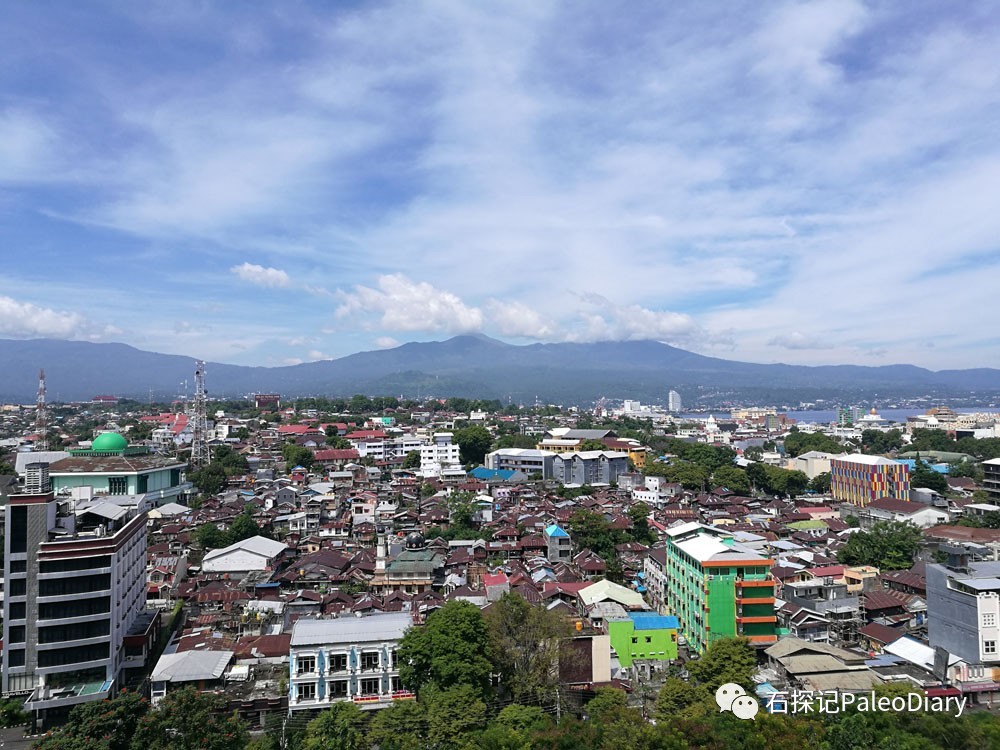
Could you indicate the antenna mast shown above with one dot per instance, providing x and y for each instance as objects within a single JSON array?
[
  {"x": 41, "y": 416},
  {"x": 199, "y": 418}
]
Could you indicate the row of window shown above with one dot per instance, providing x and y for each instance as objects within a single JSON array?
[
  {"x": 338, "y": 689},
  {"x": 338, "y": 663}
]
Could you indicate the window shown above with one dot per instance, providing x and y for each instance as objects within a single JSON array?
[
  {"x": 17, "y": 566},
  {"x": 15, "y": 657},
  {"x": 635, "y": 640},
  {"x": 17, "y": 587},
  {"x": 989, "y": 620},
  {"x": 118, "y": 485},
  {"x": 370, "y": 686},
  {"x": 338, "y": 663},
  {"x": 649, "y": 639},
  {"x": 306, "y": 691},
  {"x": 338, "y": 689},
  {"x": 17, "y": 610},
  {"x": 75, "y": 585},
  {"x": 305, "y": 665},
  {"x": 72, "y": 564},
  {"x": 17, "y": 633},
  {"x": 369, "y": 662},
  {"x": 989, "y": 647},
  {"x": 73, "y": 655}
]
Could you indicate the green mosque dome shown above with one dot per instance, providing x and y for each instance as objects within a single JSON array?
[{"x": 109, "y": 441}]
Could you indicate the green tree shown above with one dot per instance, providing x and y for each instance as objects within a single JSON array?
[
  {"x": 610, "y": 705},
  {"x": 211, "y": 479},
  {"x": 525, "y": 642},
  {"x": 676, "y": 697},
  {"x": 592, "y": 531},
  {"x": 474, "y": 443},
  {"x": 732, "y": 478},
  {"x": 639, "y": 515},
  {"x": 339, "y": 727},
  {"x": 297, "y": 455},
  {"x": 453, "y": 716},
  {"x": 209, "y": 536},
  {"x": 923, "y": 475},
  {"x": 592, "y": 445},
  {"x": 879, "y": 442},
  {"x": 725, "y": 660},
  {"x": 100, "y": 725},
  {"x": 412, "y": 460},
  {"x": 797, "y": 443},
  {"x": 12, "y": 713},
  {"x": 450, "y": 649},
  {"x": 242, "y": 527},
  {"x": 401, "y": 726},
  {"x": 188, "y": 720},
  {"x": 890, "y": 545},
  {"x": 820, "y": 483},
  {"x": 461, "y": 508},
  {"x": 515, "y": 441}
]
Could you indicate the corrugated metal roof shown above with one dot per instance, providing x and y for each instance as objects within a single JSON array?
[
  {"x": 189, "y": 666},
  {"x": 374, "y": 628}
]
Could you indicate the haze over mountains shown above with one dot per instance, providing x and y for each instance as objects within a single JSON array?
[{"x": 470, "y": 366}]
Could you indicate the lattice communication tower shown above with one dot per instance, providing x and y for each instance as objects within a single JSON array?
[
  {"x": 41, "y": 416},
  {"x": 199, "y": 419}
]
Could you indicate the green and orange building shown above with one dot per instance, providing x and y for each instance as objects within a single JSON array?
[{"x": 717, "y": 587}]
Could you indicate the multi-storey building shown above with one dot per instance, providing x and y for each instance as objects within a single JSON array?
[
  {"x": 589, "y": 467},
  {"x": 717, "y": 587},
  {"x": 674, "y": 402},
  {"x": 346, "y": 659},
  {"x": 991, "y": 477},
  {"x": 963, "y": 602},
  {"x": 74, "y": 577},
  {"x": 558, "y": 545},
  {"x": 529, "y": 461},
  {"x": 112, "y": 467},
  {"x": 858, "y": 479},
  {"x": 441, "y": 457}
]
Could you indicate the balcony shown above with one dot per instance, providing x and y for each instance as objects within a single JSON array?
[{"x": 45, "y": 697}]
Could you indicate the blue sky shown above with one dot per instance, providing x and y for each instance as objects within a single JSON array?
[{"x": 269, "y": 183}]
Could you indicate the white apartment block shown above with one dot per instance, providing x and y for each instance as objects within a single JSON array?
[
  {"x": 440, "y": 457},
  {"x": 346, "y": 659}
]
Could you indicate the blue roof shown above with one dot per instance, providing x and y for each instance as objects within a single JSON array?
[
  {"x": 482, "y": 472},
  {"x": 653, "y": 621},
  {"x": 555, "y": 530}
]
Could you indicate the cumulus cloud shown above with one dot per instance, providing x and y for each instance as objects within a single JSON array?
[
  {"x": 613, "y": 322},
  {"x": 25, "y": 320},
  {"x": 797, "y": 340},
  {"x": 386, "y": 342},
  {"x": 398, "y": 303},
  {"x": 516, "y": 319},
  {"x": 269, "y": 277},
  {"x": 316, "y": 354}
]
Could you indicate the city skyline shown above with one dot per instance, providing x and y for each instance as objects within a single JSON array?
[{"x": 809, "y": 184}]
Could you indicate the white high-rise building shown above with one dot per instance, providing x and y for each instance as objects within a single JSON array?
[{"x": 673, "y": 401}]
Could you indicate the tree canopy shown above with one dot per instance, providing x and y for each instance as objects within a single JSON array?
[
  {"x": 525, "y": 642},
  {"x": 449, "y": 650},
  {"x": 890, "y": 545},
  {"x": 474, "y": 443}
]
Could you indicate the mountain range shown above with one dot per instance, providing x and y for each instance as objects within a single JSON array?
[{"x": 470, "y": 366}]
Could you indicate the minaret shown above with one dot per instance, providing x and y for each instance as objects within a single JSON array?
[
  {"x": 380, "y": 555},
  {"x": 41, "y": 416}
]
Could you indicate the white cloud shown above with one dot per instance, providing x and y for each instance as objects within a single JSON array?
[
  {"x": 516, "y": 319},
  {"x": 613, "y": 322},
  {"x": 316, "y": 354},
  {"x": 797, "y": 340},
  {"x": 261, "y": 276},
  {"x": 25, "y": 320},
  {"x": 28, "y": 147},
  {"x": 401, "y": 304},
  {"x": 386, "y": 342}
]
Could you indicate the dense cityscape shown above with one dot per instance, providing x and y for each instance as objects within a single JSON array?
[{"x": 374, "y": 572}]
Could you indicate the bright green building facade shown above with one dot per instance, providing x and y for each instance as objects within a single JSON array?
[
  {"x": 643, "y": 635},
  {"x": 717, "y": 587}
]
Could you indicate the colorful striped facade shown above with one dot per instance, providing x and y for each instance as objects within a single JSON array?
[{"x": 859, "y": 479}]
